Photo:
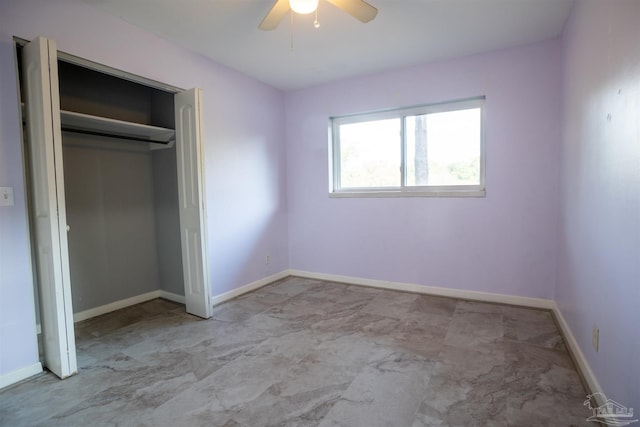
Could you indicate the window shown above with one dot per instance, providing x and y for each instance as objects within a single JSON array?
[{"x": 431, "y": 150}]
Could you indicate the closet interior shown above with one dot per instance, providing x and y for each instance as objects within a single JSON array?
[{"x": 121, "y": 187}]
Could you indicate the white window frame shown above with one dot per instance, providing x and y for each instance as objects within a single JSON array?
[{"x": 403, "y": 190}]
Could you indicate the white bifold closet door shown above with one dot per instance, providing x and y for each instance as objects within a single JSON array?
[
  {"x": 49, "y": 218},
  {"x": 188, "y": 109},
  {"x": 48, "y": 212}
]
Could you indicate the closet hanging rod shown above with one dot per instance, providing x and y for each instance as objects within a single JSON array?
[{"x": 111, "y": 135}]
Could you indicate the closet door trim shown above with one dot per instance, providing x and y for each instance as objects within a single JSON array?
[{"x": 105, "y": 69}]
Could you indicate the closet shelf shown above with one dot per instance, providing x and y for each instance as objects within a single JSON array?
[{"x": 118, "y": 128}]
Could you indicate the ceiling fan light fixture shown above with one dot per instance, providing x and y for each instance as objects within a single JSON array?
[{"x": 303, "y": 7}]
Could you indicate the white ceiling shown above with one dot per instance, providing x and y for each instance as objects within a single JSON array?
[{"x": 405, "y": 33}]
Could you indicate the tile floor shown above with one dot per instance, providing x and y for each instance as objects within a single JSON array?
[{"x": 309, "y": 353}]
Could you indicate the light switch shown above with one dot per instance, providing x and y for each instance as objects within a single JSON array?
[{"x": 6, "y": 196}]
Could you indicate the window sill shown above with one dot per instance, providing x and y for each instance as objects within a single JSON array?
[{"x": 391, "y": 193}]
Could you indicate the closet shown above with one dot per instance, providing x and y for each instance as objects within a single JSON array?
[
  {"x": 121, "y": 190},
  {"x": 116, "y": 192}
]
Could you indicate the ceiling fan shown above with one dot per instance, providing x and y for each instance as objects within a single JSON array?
[{"x": 359, "y": 9}]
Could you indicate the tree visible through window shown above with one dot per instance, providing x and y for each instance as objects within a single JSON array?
[{"x": 428, "y": 149}]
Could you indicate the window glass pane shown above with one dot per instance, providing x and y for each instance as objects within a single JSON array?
[
  {"x": 443, "y": 148},
  {"x": 370, "y": 154}
]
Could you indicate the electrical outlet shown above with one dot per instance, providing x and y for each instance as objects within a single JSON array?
[
  {"x": 267, "y": 260},
  {"x": 6, "y": 196},
  {"x": 595, "y": 340}
]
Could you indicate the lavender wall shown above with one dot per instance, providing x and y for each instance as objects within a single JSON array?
[
  {"x": 599, "y": 256},
  {"x": 244, "y": 154},
  {"x": 503, "y": 243},
  {"x": 18, "y": 346}
]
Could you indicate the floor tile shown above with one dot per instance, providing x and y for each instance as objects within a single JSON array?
[{"x": 302, "y": 352}]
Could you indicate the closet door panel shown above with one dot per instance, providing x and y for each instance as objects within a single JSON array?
[
  {"x": 192, "y": 207},
  {"x": 49, "y": 226}
]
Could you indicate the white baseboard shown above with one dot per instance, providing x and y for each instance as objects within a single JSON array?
[
  {"x": 172, "y": 297},
  {"x": 117, "y": 305},
  {"x": 218, "y": 299},
  {"x": 431, "y": 290},
  {"x": 20, "y": 374},
  {"x": 123, "y": 303},
  {"x": 578, "y": 356}
]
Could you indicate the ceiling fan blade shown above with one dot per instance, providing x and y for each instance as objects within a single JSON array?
[
  {"x": 275, "y": 15},
  {"x": 359, "y": 9}
]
